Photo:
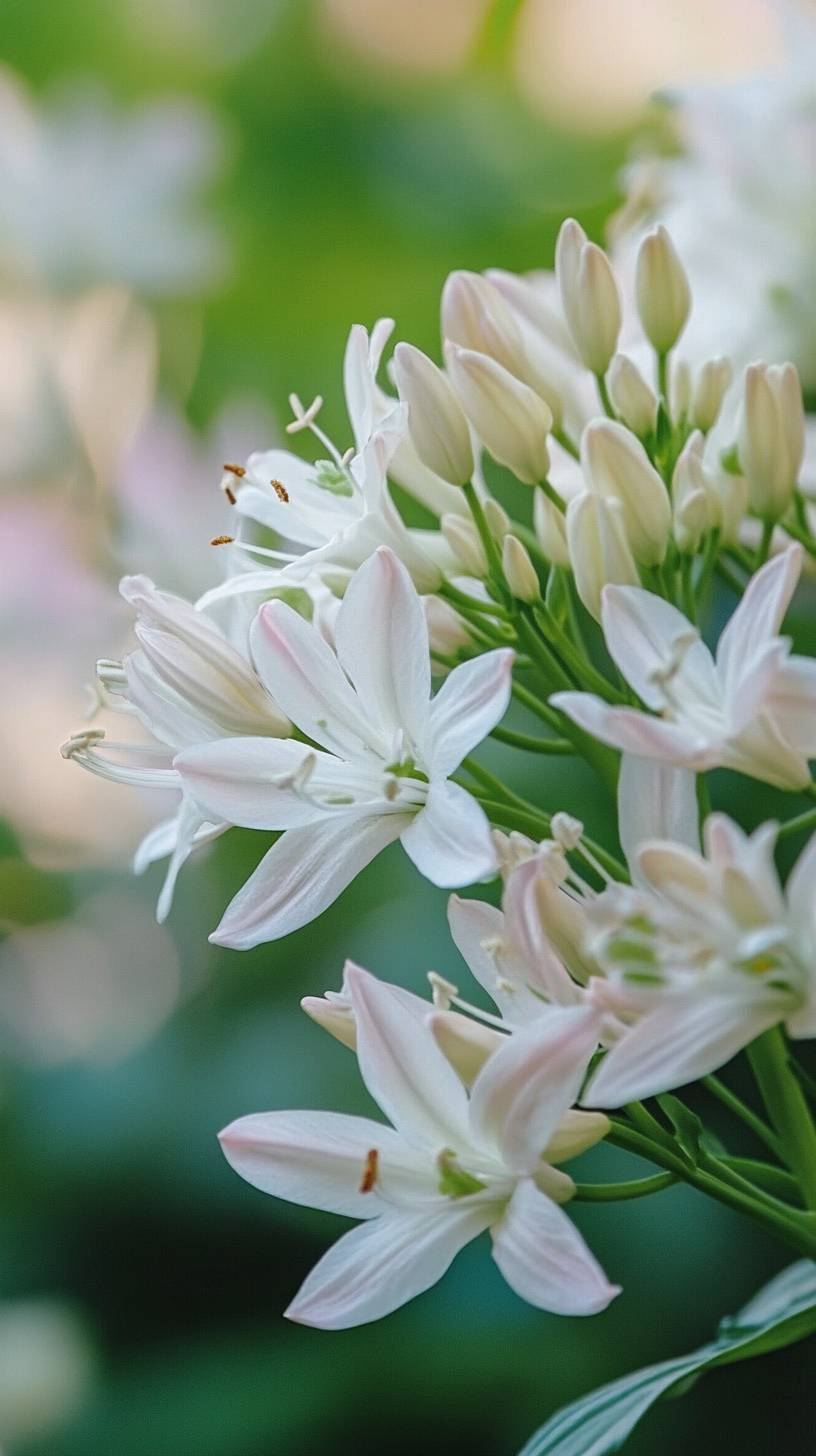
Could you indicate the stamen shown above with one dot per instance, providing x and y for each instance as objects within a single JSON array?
[
  {"x": 79, "y": 742},
  {"x": 442, "y": 991},
  {"x": 663, "y": 675},
  {"x": 239, "y": 472},
  {"x": 280, "y": 491},
  {"x": 222, "y": 540},
  {"x": 370, "y": 1169},
  {"x": 566, "y": 830},
  {"x": 304, "y": 418}
]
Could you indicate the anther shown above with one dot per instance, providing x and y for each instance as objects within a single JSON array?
[
  {"x": 304, "y": 418},
  {"x": 566, "y": 830},
  {"x": 238, "y": 470},
  {"x": 280, "y": 491},
  {"x": 370, "y": 1169},
  {"x": 79, "y": 742},
  {"x": 222, "y": 540},
  {"x": 442, "y": 991}
]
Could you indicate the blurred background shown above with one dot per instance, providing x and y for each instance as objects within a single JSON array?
[{"x": 197, "y": 198}]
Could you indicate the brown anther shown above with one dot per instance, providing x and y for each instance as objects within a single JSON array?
[
  {"x": 222, "y": 540},
  {"x": 370, "y": 1171},
  {"x": 280, "y": 491},
  {"x": 236, "y": 470},
  {"x": 230, "y": 494}
]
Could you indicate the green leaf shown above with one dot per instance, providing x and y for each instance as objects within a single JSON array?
[{"x": 781, "y": 1313}]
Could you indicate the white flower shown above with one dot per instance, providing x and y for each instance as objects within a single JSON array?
[
  {"x": 590, "y": 296},
  {"x": 510, "y": 419},
  {"x": 750, "y": 708},
  {"x": 382, "y": 767},
  {"x": 616, "y": 466},
  {"x": 704, "y": 955},
  {"x": 451, "y": 1167},
  {"x": 662, "y": 290}
]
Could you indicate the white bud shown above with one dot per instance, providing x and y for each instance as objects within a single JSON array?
[
  {"x": 679, "y": 389},
  {"x": 732, "y": 495},
  {"x": 662, "y": 290},
  {"x": 335, "y": 1014},
  {"x": 634, "y": 399},
  {"x": 475, "y": 316},
  {"x": 463, "y": 539},
  {"x": 497, "y": 518},
  {"x": 590, "y": 296},
  {"x": 446, "y": 629},
  {"x": 695, "y": 503},
  {"x": 771, "y": 436},
  {"x": 566, "y": 830},
  {"x": 550, "y": 528},
  {"x": 598, "y": 548},
  {"x": 519, "y": 572},
  {"x": 511, "y": 420},
  {"x": 436, "y": 423},
  {"x": 466, "y": 1043},
  {"x": 617, "y": 467},
  {"x": 710, "y": 385}
]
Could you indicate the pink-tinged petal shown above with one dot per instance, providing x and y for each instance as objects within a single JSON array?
[
  {"x": 751, "y": 691},
  {"x": 449, "y": 839},
  {"x": 323, "y": 1159},
  {"x": 520, "y": 1096},
  {"x": 759, "y": 615},
  {"x": 177, "y": 838},
  {"x": 469, "y": 704},
  {"x": 641, "y": 632},
  {"x": 639, "y": 733},
  {"x": 762, "y": 751},
  {"x": 309, "y": 516},
  {"x": 792, "y": 703},
  {"x": 688, "y": 1035},
  {"x": 301, "y": 875},
  {"x": 655, "y": 801},
  {"x": 361, "y": 362},
  {"x": 478, "y": 932},
  {"x": 255, "y": 782},
  {"x": 382, "y": 1264},
  {"x": 382, "y": 643},
  {"x": 403, "y": 1067},
  {"x": 526, "y": 925},
  {"x": 800, "y": 892},
  {"x": 290, "y": 653},
  {"x": 544, "y": 1258}
]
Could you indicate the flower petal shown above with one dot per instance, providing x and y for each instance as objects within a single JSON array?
[
  {"x": 382, "y": 643},
  {"x": 470, "y": 702},
  {"x": 404, "y": 1069},
  {"x": 479, "y": 934},
  {"x": 655, "y": 801},
  {"x": 641, "y": 632},
  {"x": 290, "y": 653},
  {"x": 639, "y": 733},
  {"x": 254, "y": 782},
  {"x": 301, "y": 875},
  {"x": 449, "y": 839},
  {"x": 382, "y": 1264},
  {"x": 686, "y": 1036},
  {"x": 759, "y": 615},
  {"x": 544, "y": 1258},
  {"x": 320, "y": 1159},
  {"x": 519, "y": 1098}
]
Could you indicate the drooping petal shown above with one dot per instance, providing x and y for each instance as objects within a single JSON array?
[
  {"x": 404, "y": 1069},
  {"x": 271, "y": 783},
  {"x": 522, "y": 1093},
  {"x": 449, "y": 839},
  {"x": 759, "y": 615},
  {"x": 642, "y": 632},
  {"x": 382, "y": 1264},
  {"x": 576, "y": 1132},
  {"x": 301, "y": 875},
  {"x": 382, "y": 643},
  {"x": 290, "y": 653},
  {"x": 322, "y": 1160},
  {"x": 471, "y": 701},
  {"x": 544, "y": 1258},
  {"x": 639, "y": 733},
  {"x": 688, "y": 1035},
  {"x": 655, "y": 801},
  {"x": 479, "y": 934}
]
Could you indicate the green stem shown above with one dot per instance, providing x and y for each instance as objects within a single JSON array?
[
  {"x": 487, "y": 539},
  {"x": 581, "y": 667},
  {"x": 541, "y": 709},
  {"x": 494, "y": 785},
  {"x": 687, "y": 585},
  {"x": 603, "y": 394},
  {"x": 468, "y": 603},
  {"x": 787, "y": 1108},
  {"x": 729, "y": 1099},
  {"x": 797, "y": 824},
  {"x": 530, "y": 744},
  {"x": 663, "y": 379},
  {"x": 614, "y": 1192},
  {"x": 566, "y": 443},
  {"x": 552, "y": 495},
  {"x": 536, "y": 824},
  {"x": 764, "y": 543},
  {"x": 774, "y": 1180}
]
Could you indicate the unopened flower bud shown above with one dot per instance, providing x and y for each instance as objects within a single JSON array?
[
  {"x": 463, "y": 539},
  {"x": 710, "y": 385},
  {"x": 335, "y": 1014},
  {"x": 475, "y": 316},
  {"x": 519, "y": 572},
  {"x": 662, "y": 290},
  {"x": 695, "y": 503},
  {"x": 771, "y": 436},
  {"x": 550, "y": 527},
  {"x": 617, "y": 467},
  {"x": 511, "y": 420},
  {"x": 437, "y": 426},
  {"x": 466, "y": 1043},
  {"x": 634, "y": 399},
  {"x": 497, "y": 518},
  {"x": 446, "y": 629},
  {"x": 598, "y": 548},
  {"x": 589, "y": 295}
]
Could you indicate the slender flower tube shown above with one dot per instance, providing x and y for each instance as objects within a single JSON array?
[
  {"x": 509, "y": 417},
  {"x": 435, "y": 419},
  {"x": 617, "y": 467},
  {"x": 590, "y": 296},
  {"x": 771, "y": 437}
]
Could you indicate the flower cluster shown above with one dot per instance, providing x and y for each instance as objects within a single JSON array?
[{"x": 333, "y": 687}]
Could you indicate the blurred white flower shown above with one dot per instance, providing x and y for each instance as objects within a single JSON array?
[{"x": 46, "y": 1368}]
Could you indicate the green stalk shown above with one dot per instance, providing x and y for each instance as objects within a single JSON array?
[
  {"x": 614, "y": 1192},
  {"x": 746, "y": 1114},
  {"x": 787, "y": 1108},
  {"x": 488, "y": 541},
  {"x": 529, "y": 744}
]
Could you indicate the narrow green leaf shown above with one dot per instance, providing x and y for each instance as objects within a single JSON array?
[
  {"x": 688, "y": 1128},
  {"x": 781, "y": 1313}
]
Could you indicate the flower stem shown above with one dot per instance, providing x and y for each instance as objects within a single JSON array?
[
  {"x": 529, "y": 744},
  {"x": 787, "y": 1108},
  {"x": 488, "y": 541},
  {"x": 735, "y": 1104},
  {"x": 614, "y": 1192}
]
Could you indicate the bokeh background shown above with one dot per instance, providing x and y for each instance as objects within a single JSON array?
[{"x": 197, "y": 198}]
